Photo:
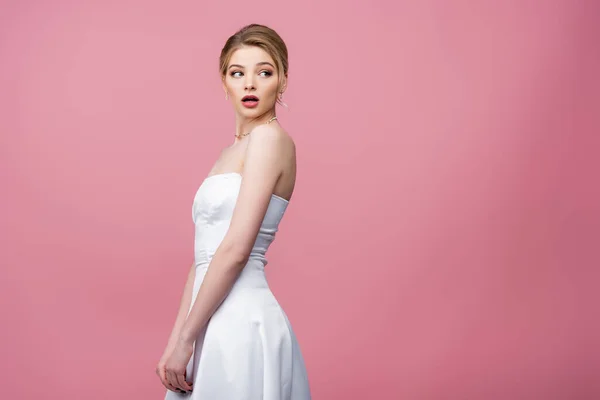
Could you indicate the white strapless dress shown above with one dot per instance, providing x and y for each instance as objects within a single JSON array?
[{"x": 248, "y": 350}]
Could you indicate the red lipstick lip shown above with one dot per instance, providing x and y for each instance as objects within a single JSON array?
[
  {"x": 250, "y": 104},
  {"x": 250, "y": 97}
]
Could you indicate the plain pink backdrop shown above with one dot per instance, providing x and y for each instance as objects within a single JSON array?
[{"x": 443, "y": 239}]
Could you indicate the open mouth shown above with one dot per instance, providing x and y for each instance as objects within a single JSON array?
[{"x": 250, "y": 101}]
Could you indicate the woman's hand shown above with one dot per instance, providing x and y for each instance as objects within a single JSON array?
[
  {"x": 176, "y": 364},
  {"x": 161, "y": 371}
]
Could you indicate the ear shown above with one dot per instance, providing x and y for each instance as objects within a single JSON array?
[{"x": 283, "y": 84}]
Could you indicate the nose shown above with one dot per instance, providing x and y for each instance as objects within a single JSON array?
[{"x": 249, "y": 84}]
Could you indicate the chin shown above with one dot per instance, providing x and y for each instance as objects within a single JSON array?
[{"x": 251, "y": 112}]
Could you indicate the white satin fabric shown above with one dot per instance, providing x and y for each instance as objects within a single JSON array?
[{"x": 248, "y": 351}]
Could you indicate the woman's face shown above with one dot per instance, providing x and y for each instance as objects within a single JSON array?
[{"x": 251, "y": 72}]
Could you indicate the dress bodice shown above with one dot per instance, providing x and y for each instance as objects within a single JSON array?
[{"x": 212, "y": 210}]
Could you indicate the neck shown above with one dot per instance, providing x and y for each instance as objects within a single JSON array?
[{"x": 244, "y": 125}]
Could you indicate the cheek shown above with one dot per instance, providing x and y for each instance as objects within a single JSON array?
[
  {"x": 272, "y": 88},
  {"x": 233, "y": 82}
]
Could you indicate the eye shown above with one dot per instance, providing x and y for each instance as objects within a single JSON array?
[
  {"x": 268, "y": 73},
  {"x": 235, "y": 72}
]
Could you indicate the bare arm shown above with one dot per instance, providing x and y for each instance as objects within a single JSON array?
[
  {"x": 261, "y": 172},
  {"x": 186, "y": 300},
  {"x": 184, "y": 307}
]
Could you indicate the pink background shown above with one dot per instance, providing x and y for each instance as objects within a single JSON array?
[{"x": 443, "y": 239}]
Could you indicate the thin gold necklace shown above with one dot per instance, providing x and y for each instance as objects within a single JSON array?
[{"x": 247, "y": 133}]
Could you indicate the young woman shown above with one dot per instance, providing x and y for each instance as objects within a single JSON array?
[{"x": 231, "y": 339}]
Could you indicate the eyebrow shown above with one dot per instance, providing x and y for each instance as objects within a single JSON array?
[{"x": 260, "y": 63}]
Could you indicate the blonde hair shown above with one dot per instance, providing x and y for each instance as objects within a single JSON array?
[{"x": 260, "y": 36}]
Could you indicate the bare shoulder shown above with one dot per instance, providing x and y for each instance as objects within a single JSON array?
[
  {"x": 275, "y": 137},
  {"x": 273, "y": 132}
]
